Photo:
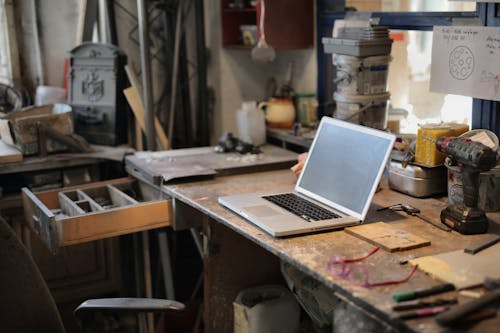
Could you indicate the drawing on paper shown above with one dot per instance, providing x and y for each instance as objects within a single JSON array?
[
  {"x": 461, "y": 62},
  {"x": 489, "y": 77}
]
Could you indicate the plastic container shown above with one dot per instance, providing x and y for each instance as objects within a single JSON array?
[
  {"x": 367, "y": 110},
  {"x": 426, "y": 152},
  {"x": 251, "y": 124},
  {"x": 248, "y": 34},
  {"x": 49, "y": 95},
  {"x": 361, "y": 76}
]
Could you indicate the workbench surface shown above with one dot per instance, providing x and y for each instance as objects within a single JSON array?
[{"x": 310, "y": 253}]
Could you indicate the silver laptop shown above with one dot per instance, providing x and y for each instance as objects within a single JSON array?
[{"x": 336, "y": 186}]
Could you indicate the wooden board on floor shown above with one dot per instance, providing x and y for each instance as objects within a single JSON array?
[
  {"x": 462, "y": 269},
  {"x": 9, "y": 154},
  {"x": 387, "y": 237}
]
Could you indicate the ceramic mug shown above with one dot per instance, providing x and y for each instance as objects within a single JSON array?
[{"x": 280, "y": 112}]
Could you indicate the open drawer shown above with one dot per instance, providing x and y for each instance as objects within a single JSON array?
[{"x": 84, "y": 213}]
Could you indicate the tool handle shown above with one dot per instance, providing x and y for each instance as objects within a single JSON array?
[
  {"x": 450, "y": 317},
  {"x": 428, "y": 220}
]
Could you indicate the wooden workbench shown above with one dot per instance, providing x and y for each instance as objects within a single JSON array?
[{"x": 239, "y": 255}]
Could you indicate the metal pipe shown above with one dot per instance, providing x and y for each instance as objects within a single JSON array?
[
  {"x": 147, "y": 93},
  {"x": 36, "y": 44},
  {"x": 201, "y": 60},
  {"x": 175, "y": 70}
]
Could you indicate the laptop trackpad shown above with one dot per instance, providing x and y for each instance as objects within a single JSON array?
[{"x": 261, "y": 211}]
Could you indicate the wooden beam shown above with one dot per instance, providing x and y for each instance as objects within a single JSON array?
[
  {"x": 13, "y": 50},
  {"x": 136, "y": 105}
]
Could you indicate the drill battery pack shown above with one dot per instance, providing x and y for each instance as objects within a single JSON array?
[{"x": 465, "y": 220}]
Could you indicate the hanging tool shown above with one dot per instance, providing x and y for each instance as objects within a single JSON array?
[
  {"x": 473, "y": 158},
  {"x": 413, "y": 211}
]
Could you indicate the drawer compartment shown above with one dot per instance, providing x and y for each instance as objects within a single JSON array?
[{"x": 84, "y": 213}]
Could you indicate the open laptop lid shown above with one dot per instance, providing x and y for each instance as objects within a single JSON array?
[{"x": 344, "y": 166}]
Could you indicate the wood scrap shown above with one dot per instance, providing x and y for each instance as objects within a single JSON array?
[
  {"x": 387, "y": 237},
  {"x": 134, "y": 98}
]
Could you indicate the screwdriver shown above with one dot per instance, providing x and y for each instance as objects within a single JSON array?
[{"x": 413, "y": 211}]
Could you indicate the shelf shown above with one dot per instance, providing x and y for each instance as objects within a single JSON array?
[
  {"x": 238, "y": 47},
  {"x": 240, "y": 10},
  {"x": 288, "y": 24}
]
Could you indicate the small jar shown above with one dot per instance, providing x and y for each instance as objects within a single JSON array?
[{"x": 307, "y": 108}]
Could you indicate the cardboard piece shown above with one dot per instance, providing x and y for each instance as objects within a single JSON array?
[
  {"x": 462, "y": 269},
  {"x": 9, "y": 154},
  {"x": 387, "y": 237}
]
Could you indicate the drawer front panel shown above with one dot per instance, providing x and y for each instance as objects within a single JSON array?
[{"x": 100, "y": 210}]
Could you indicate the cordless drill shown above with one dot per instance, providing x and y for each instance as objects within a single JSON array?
[{"x": 473, "y": 158}]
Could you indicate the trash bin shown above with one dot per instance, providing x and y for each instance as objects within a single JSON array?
[{"x": 266, "y": 309}]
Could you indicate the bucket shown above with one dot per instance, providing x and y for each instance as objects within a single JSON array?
[
  {"x": 367, "y": 110},
  {"x": 361, "y": 76},
  {"x": 49, "y": 95}
]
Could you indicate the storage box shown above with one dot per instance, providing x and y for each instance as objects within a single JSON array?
[
  {"x": 417, "y": 181},
  {"x": 358, "y": 48},
  {"x": 19, "y": 128}
]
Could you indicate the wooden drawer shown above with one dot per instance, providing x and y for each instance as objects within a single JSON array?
[{"x": 84, "y": 213}]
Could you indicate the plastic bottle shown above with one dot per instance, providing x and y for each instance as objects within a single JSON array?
[{"x": 251, "y": 124}]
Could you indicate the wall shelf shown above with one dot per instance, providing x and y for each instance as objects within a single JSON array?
[{"x": 289, "y": 24}]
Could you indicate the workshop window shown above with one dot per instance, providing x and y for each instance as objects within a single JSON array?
[{"x": 409, "y": 81}]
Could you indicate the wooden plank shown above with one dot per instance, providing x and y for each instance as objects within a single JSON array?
[
  {"x": 87, "y": 15},
  {"x": 137, "y": 87},
  {"x": 138, "y": 110},
  {"x": 115, "y": 222},
  {"x": 9, "y": 154},
  {"x": 387, "y": 237}
]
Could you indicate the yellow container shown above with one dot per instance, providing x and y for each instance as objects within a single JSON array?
[{"x": 426, "y": 152}]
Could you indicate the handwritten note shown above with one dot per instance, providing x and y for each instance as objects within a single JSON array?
[{"x": 465, "y": 61}]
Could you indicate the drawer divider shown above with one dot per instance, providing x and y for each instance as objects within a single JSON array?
[
  {"x": 93, "y": 205},
  {"x": 68, "y": 206},
  {"x": 119, "y": 197}
]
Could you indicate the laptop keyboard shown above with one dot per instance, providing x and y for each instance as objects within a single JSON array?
[{"x": 301, "y": 207}]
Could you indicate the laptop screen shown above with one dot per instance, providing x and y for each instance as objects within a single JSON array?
[{"x": 344, "y": 165}]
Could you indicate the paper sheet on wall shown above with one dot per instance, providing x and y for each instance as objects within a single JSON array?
[{"x": 465, "y": 61}]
